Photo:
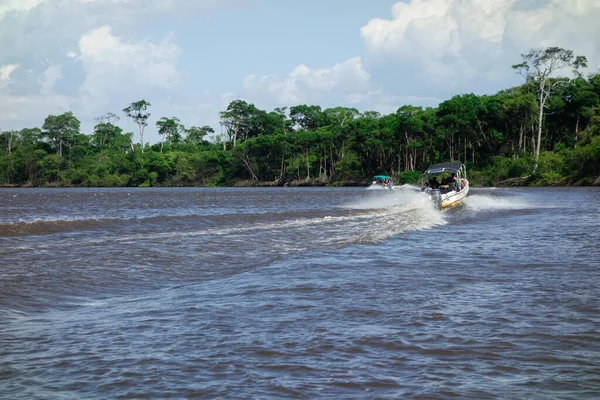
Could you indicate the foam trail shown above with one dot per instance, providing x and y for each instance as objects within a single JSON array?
[
  {"x": 394, "y": 212},
  {"x": 481, "y": 202},
  {"x": 385, "y": 199}
]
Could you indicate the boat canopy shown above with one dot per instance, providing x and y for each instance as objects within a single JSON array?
[
  {"x": 453, "y": 166},
  {"x": 382, "y": 177}
]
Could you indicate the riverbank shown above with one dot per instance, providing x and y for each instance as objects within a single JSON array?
[{"x": 512, "y": 182}]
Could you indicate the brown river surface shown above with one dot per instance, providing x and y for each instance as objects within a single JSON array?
[{"x": 299, "y": 293}]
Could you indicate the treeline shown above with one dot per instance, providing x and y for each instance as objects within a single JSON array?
[{"x": 544, "y": 132}]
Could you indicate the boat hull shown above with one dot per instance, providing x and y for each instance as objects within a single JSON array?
[
  {"x": 453, "y": 186},
  {"x": 446, "y": 199},
  {"x": 452, "y": 198},
  {"x": 377, "y": 186}
]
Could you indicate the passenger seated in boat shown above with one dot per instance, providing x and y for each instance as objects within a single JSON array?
[
  {"x": 454, "y": 183},
  {"x": 433, "y": 183},
  {"x": 444, "y": 184}
]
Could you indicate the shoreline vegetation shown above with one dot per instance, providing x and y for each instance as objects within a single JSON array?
[
  {"x": 545, "y": 132},
  {"x": 512, "y": 182}
]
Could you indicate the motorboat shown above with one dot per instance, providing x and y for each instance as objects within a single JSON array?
[
  {"x": 446, "y": 183},
  {"x": 381, "y": 182}
]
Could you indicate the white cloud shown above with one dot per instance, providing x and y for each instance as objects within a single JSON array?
[
  {"x": 572, "y": 24},
  {"x": 24, "y": 6},
  {"x": 71, "y": 59},
  {"x": 117, "y": 68},
  {"x": 344, "y": 81},
  {"x": 430, "y": 50},
  {"x": 102, "y": 1},
  {"x": 424, "y": 52},
  {"x": 35, "y": 107},
  {"x": 10, "y": 6},
  {"x": 49, "y": 78},
  {"x": 5, "y": 72},
  {"x": 346, "y": 84},
  {"x": 453, "y": 46}
]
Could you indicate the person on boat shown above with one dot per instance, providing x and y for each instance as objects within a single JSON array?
[
  {"x": 454, "y": 182},
  {"x": 433, "y": 183},
  {"x": 445, "y": 182}
]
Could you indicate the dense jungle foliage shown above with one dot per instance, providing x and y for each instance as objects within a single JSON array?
[{"x": 496, "y": 136}]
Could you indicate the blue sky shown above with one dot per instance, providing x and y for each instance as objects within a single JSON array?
[{"x": 190, "y": 58}]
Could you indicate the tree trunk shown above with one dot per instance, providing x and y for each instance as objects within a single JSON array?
[
  {"x": 521, "y": 139},
  {"x": 532, "y": 138},
  {"x": 540, "y": 120},
  {"x": 142, "y": 136},
  {"x": 307, "y": 166},
  {"x": 249, "y": 168},
  {"x": 576, "y": 130},
  {"x": 331, "y": 163},
  {"x": 9, "y": 148}
]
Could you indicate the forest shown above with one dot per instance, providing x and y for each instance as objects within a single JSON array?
[{"x": 543, "y": 132}]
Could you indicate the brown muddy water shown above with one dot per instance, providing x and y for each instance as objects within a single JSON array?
[{"x": 278, "y": 293}]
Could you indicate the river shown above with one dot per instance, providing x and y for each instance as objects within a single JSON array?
[{"x": 272, "y": 293}]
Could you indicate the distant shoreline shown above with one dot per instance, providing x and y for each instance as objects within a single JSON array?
[{"x": 513, "y": 182}]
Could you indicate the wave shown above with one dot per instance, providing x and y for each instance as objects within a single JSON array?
[
  {"x": 395, "y": 212},
  {"x": 131, "y": 215},
  {"x": 47, "y": 227},
  {"x": 482, "y": 202},
  {"x": 403, "y": 195},
  {"x": 51, "y": 225},
  {"x": 370, "y": 220}
]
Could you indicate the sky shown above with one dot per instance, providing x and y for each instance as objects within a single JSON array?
[{"x": 191, "y": 58}]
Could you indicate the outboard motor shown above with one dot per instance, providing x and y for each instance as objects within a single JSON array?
[{"x": 436, "y": 197}]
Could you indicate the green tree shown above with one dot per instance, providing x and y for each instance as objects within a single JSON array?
[
  {"x": 196, "y": 135},
  {"x": 105, "y": 130},
  {"x": 307, "y": 117},
  {"x": 340, "y": 115},
  {"x": 519, "y": 109},
  {"x": 410, "y": 129},
  {"x": 7, "y": 140},
  {"x": 170, "y": 129},
  {"x": 281, "y": 121},
  {"x": 538, "y": 68},
  {"x": 137, "y": 112},
  {"x": 242, "y": 121},
  {"x": 61, "y": 130}
]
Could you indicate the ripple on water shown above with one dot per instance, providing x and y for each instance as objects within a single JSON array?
[{"x": 332, "y": 293}]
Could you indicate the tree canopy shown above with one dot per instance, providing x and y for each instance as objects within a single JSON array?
[{"x": 549, "y": 125}]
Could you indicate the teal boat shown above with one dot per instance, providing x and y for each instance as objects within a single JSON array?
[{"x": 381, "y": 182}]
